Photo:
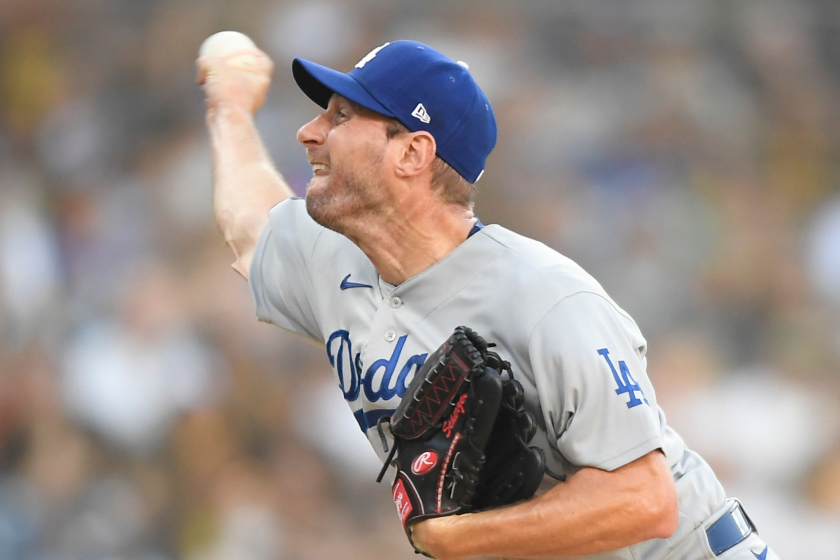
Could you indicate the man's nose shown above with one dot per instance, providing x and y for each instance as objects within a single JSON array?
[{"x": 312, "y": 133}]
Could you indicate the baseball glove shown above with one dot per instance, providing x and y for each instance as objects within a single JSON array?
[
  {"x": 513, "y": 470},
  {"x": 460, "y": 435}
]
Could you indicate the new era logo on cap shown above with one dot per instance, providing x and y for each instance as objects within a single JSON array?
[{"x": 420, "y": 112}]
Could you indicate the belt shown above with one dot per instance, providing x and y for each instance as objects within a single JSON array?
[{"x": 733, "y": 527}]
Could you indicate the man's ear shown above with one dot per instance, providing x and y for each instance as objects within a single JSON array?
[{"x": 417, "y": 154}]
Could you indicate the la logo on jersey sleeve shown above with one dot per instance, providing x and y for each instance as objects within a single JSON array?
[{"x": 627, "y": 384}]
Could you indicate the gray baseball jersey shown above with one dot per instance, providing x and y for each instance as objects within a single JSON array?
[{"x": 579, "y": 356}]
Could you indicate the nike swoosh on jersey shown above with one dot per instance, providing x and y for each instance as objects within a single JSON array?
[
  {"x": 761, "y": 555},
  {"x": 346, "y": 284}
]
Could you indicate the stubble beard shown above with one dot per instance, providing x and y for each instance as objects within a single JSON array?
[{"x": 347, "y": 198}]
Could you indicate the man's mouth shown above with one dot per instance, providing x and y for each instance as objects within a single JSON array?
[{"x": 320, "y": 169}]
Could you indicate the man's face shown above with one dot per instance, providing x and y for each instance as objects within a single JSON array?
[{"x": 347, "y": 147}]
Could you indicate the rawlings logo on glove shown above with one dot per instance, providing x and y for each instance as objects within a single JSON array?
[
  {"x": 404, "y": 507},
  {"x": 424, "y": 462}
]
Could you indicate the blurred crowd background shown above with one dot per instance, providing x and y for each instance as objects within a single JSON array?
[{"x": 685, "y": 152}]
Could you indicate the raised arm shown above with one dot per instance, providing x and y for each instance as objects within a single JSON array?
[{"x": 235, "y": 79}]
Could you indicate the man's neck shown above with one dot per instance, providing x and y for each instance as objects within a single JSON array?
[{"x": 402, "y": 245}]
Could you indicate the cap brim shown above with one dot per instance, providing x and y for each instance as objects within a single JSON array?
[{"x": 319, "y": 83}]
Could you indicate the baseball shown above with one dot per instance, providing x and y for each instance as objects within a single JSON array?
[
  {"x": 225, "y": 43},
  {"x": 232, "y": 68}
]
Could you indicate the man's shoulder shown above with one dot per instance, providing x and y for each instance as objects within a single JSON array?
[{"x": 523, "y": 260}]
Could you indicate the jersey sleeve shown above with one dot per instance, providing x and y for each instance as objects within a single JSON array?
[
  {"x": 590, "y": 374},
  {"x": 280, "y": 275}
]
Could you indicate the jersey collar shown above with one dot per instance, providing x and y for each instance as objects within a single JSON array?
[
  {"x": 475, "y": 229},
  {"x": 446, "y": 278}
]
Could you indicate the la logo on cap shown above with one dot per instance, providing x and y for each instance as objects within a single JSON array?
[
  {"x": 420, "y": 113},
  {"x": 370, "y": 56}
]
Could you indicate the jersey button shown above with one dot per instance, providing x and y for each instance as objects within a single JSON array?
[
  {"x": 396, "y": 302},
  {"x": 390, "y": 336}
]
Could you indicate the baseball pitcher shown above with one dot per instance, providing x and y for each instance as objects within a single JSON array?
[{"x": 504, "y": 390}]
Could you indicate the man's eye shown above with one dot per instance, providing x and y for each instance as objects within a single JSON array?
[{"x": 341, "y": 115}]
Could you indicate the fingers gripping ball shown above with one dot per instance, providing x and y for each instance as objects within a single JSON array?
[{"x": 232, "y": 69}]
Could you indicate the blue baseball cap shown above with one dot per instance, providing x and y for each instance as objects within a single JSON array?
[{"x": 421, "y": 88}]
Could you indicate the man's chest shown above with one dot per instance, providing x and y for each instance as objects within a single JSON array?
[
  {"x": 375, "y": 343},
  {"x": 378, "y": 344}
]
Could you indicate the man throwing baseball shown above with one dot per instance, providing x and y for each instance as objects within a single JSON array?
[{"x": 385, "y": 264}]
